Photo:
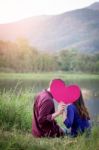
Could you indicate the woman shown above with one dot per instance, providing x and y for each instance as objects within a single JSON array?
[{"x": 76, "y": 117}]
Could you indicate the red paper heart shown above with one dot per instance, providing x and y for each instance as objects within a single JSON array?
[
  {"x": 57, "y": 89},
  {"x": 61, "y": 92},
  {"x": 72, "y": 94}
]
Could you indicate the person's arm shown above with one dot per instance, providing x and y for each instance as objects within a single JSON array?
[
  {"x": 64, "y": 115},
  {"x": 46, "y": 118},
  {"x": 70, "y": 117},
  {"x": 59, "y": 111},
  {"x": 45, "y": 112}
]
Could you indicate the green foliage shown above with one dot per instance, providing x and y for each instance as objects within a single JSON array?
[
  {"x": 75, "y": 61},
  {"x": 21, "y": 57},
  {"x": 16, "y": 110}
]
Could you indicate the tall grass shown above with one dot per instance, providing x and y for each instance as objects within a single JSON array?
[
  {"x": 23, "y": 141},
  {"x": 15, "y": 127},
  {"x": 16, "y": 110}
]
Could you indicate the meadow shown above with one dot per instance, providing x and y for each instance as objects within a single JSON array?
[
  {"x": 49, "y": 75},
  {"x": 16, "y": 118}
]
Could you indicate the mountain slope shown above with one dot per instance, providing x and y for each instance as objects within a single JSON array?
[
  {"x": 78, "y": 29},
  {"x": 95, "y": 6}
]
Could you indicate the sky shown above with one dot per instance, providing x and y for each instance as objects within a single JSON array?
[{"x": 13, "y": 10}]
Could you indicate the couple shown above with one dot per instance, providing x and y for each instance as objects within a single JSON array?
[{"x": 75, "y": 117}]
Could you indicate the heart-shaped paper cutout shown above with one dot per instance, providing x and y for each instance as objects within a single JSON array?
[
  {"x": 72, "y": 93},
  {"x": 57, "y": 88},
  {"x": 61, "y": 92}
]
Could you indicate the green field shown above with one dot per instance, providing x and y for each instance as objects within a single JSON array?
[
  {"x": 15, "y": 127},
  {"x": 48, "y": 76},
  {"x": 16, "y": 118}
]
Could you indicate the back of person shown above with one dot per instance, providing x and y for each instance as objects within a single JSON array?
[
  {"x": 77, "y": 117},
  {"x": 79, "y": 125},
  {"x": 42, "y": 124}
]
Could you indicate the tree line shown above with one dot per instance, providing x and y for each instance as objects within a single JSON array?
[{"x": 20, "y": 56}]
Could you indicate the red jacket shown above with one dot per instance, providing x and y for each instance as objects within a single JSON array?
[{"x": 42, "y": 124}]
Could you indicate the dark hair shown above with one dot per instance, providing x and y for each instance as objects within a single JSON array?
[{"x": 82, "y": 110}]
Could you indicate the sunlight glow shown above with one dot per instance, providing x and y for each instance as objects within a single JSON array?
[{"x": 13, "y": 10}]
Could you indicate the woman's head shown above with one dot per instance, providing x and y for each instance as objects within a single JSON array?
[{"x": 82, "y": 110}]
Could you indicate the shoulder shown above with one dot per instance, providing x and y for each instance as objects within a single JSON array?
[
  {"x": 71, "y": 106},
  {"x": 44, "y": 94},
  {"x": 45, "y": 98}
]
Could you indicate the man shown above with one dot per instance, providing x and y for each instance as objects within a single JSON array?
[{"x": 44, "y": 124}]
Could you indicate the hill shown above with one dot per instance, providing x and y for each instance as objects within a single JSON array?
[{"x": 78, "y": 29}]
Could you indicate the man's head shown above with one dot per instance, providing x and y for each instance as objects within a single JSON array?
[{"x": 56, "y": 81}]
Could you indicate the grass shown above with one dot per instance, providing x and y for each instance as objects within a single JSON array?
[
  {"x": 20, "y": 141},
  {"x": 15, "y": 127},
  {"x": 48, "y": 76},
  {"x": 16, "y": 117},
  {"x": 16, "y": 110}
]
